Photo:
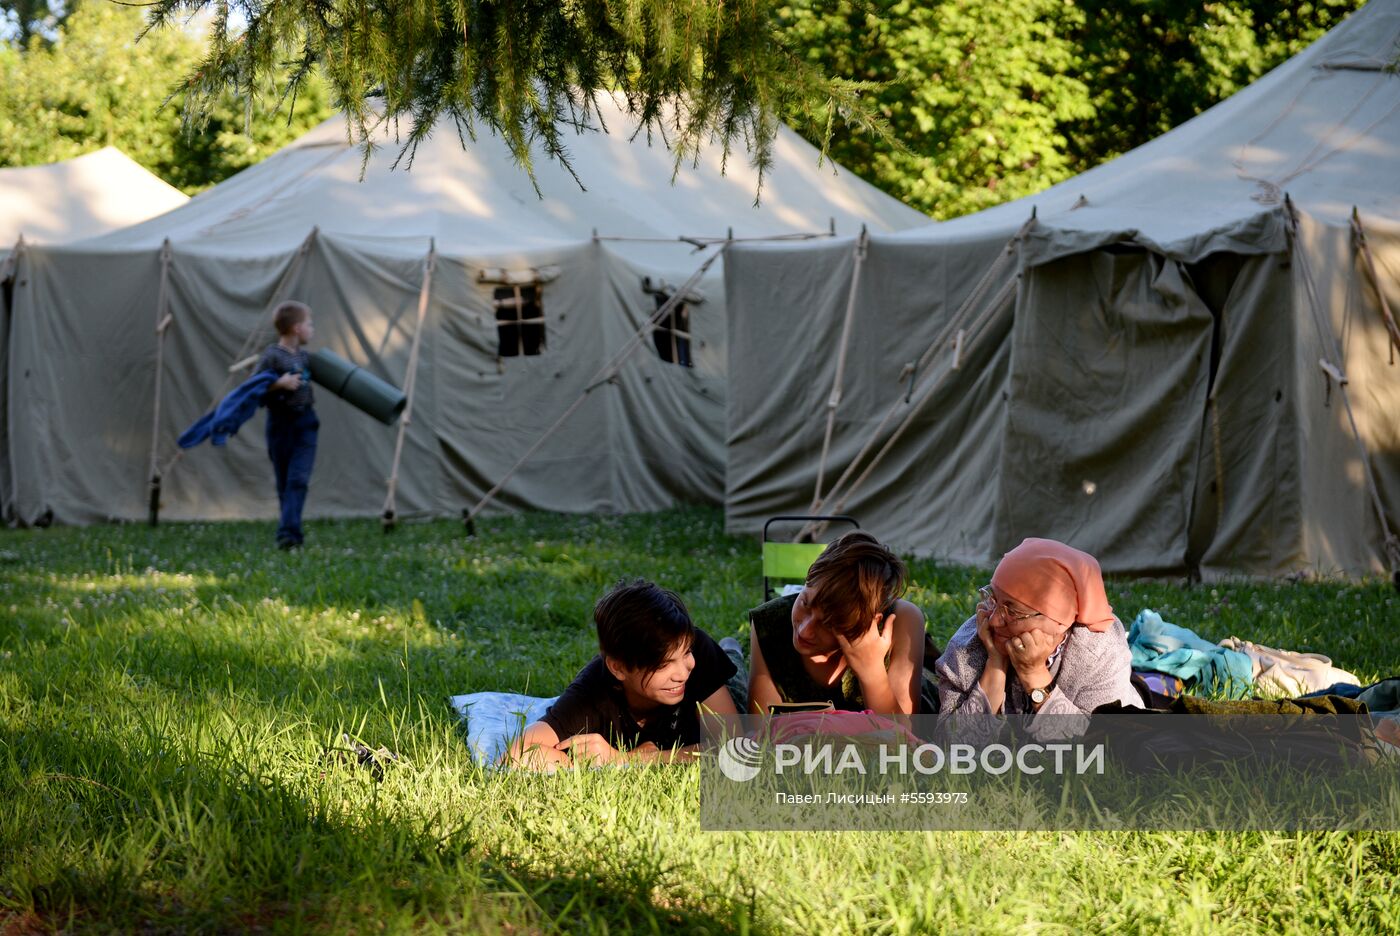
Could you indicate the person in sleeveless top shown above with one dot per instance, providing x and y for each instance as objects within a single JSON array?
[{"x": 848, "y": 637}]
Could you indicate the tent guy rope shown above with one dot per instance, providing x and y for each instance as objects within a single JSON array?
[
  {"x": 1359, "y": 234},
  {"x": 975, "y": 330},
  {"x": 955, "y": 326}
]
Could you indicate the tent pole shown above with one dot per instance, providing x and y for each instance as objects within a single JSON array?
[
  {"x": 834, "y": 400},
  {"x": 605, "y": 375},
  {"x": 288, "y": 275},
  {"x": 1365, "y": 249},
  {"x": 162, "y": 323},
  {"x": 411, "y": 382},
  {"x": 1390, "y": 543},
  {"x": 8, "y": 267}
]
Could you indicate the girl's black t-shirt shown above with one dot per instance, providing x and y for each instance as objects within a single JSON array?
[{"x": 594, "y": 703}]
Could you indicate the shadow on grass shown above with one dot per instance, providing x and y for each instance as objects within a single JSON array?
[{"x": 101, "y": 837}]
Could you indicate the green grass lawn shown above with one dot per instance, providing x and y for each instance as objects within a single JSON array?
[{"x": 167, "y": 698}]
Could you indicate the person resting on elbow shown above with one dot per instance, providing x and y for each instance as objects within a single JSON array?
[
  {"x": 847, "y": 638},
  {"x": 639, "y": 699},
  {"x": 1044, "y": 639}
]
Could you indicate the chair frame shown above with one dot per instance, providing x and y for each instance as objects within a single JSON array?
[{"x": 795, "y": 518}]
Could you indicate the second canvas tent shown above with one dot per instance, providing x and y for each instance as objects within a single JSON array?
[{"x": 1181, "y": 361}]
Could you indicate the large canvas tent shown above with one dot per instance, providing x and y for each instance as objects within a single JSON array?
[
  {"x": 1160, "y": 361},
  {"x": 63, "y": 202},
  {"x": 498, "y": 305}
]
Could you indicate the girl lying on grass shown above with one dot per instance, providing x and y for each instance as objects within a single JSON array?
[
  {"x": 638, "y": 700},
  {"x": 847, "y": 638}
]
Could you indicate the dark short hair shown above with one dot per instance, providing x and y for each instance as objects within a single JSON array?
[
  {"x": 640, "y": 623},
  {"x": 289, "y": 315},
  {"x": 855, "y": 578}
]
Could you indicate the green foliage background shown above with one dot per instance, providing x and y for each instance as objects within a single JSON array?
[
  {"x": 96, "y": 86},
  {"x": 989, "y": 101},
  {"x": 997, "y": 100}
]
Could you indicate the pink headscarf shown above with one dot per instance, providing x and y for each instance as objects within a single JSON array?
[{"x": 1061, "y": 582}]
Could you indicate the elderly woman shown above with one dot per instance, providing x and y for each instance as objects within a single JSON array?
[{"x": 1044, "y": 640}]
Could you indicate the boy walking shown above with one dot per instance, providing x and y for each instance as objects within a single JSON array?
[{"x": 291, "y": 420}]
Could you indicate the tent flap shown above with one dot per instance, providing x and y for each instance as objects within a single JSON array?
[{"x": 1110, "y": 359}]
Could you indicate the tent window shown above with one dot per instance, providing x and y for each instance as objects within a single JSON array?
[
  {"x": 519, "y": 320},
  {"x": 672, "y": 333}
]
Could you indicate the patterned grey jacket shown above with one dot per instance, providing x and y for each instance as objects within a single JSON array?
[{"x": 1092, "y": 669}]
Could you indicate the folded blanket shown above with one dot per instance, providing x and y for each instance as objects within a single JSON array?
[
  {"x": 495, "y": 718},
  {"x": 1288, "y": 672},
  {"x": 1204, "y": 666}
]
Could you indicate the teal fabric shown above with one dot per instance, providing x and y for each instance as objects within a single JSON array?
[{"x": 1206, "y": 667}]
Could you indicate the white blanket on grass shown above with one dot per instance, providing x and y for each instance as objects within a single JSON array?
[{"x": 495, "y": 718}]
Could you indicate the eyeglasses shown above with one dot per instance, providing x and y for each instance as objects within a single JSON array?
[{"x": 1014, "y": 617}]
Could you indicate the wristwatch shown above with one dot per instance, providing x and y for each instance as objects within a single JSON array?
[{"x": 1038, "y": 696}]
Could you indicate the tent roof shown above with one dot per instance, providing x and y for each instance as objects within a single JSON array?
[
  {"x": 78, "y": 198},
  {"x": 479, "y": 200},
  {"x": 1323, "y": 127}
]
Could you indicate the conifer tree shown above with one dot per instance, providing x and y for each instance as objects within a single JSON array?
[{"x": 693, "y": 71}]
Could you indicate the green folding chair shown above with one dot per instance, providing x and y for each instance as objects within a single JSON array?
[{"x": 787, "y": 562}]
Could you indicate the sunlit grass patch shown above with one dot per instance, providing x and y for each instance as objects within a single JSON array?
[{"x": 175, "y": 704}]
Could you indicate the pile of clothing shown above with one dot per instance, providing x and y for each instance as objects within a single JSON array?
[{"x": 1175, "y": 660}]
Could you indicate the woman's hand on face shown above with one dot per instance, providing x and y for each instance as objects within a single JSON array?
[
  {"x": 867, "y": 653},
  {"x": 996, "y": 655},
  {"x": 1029, "y": 652}
]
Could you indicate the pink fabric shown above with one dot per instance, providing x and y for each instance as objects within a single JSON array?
[
  {"x": 1063, "y": 583},
  {"x": 867, "y": 724}
]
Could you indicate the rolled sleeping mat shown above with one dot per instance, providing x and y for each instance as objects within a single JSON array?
[{"x": 357, "y": 386}]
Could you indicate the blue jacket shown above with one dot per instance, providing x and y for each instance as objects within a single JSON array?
[{"x": 231, "y": 413}]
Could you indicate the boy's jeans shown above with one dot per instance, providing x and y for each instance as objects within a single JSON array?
[{"x": 291, "y": 444}]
